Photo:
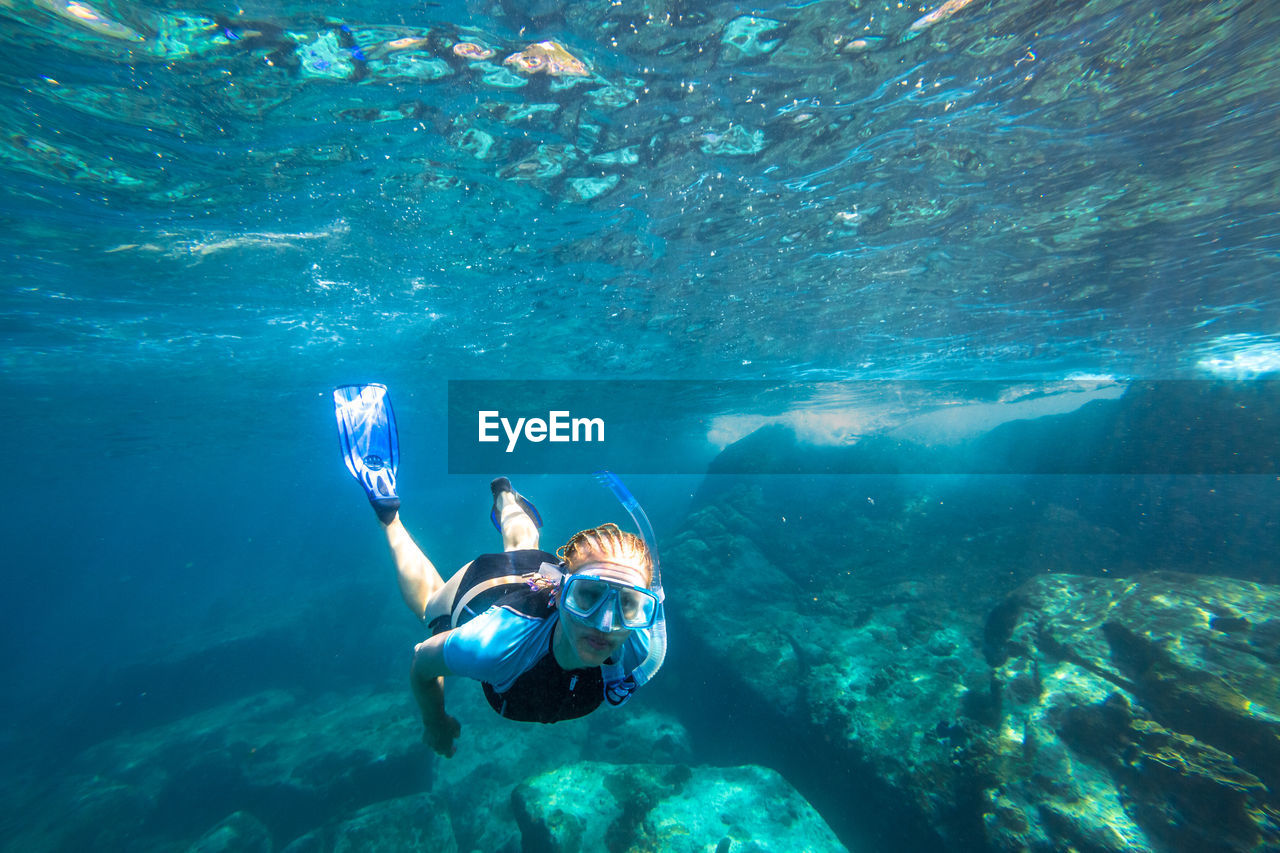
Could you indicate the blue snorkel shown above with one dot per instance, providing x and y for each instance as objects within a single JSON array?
[{"x": 618, "y": 685}]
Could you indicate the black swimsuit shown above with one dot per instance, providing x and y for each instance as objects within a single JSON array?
[{"x": 546, "y": 692}]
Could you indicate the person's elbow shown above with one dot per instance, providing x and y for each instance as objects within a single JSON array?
[{"x": 428, "y": 658}]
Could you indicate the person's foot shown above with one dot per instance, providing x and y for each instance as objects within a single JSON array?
[
  {"x": 502, "y": 486},
  {"x": 386, "y": 508}
]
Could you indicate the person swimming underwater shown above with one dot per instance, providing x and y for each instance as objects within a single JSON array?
[{"x": 549, "y": 636}]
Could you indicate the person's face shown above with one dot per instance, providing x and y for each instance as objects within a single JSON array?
[{"x": 589, "y": 645}]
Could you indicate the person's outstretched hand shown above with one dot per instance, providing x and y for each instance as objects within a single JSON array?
[{"x": 440, "y": 734}]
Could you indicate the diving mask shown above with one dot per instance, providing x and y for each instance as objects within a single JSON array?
[{"x": 608, "y": 605}]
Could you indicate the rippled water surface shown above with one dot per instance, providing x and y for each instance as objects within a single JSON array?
[
  {"x": 801, "y": 189},
  {"x": 211, "y": 214}
]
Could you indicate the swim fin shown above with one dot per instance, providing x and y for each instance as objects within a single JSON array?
[
  {"x": 370, "y": 445},
  {"x": 502, "y": 484}
]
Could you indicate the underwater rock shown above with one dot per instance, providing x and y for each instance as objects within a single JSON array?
[
  {"x": 240, "y": 832},
  {"x": 1210, "y": 523},
  {"x": 673, "y": 808},
  {"x": 288, "y": 761},
  {"x": 236, "y": 654},
  {"x": 108, "y": 814},
  {"x": 1113, "y": 428},
  {"x": 334, "y": 773},
  {"x": 1139, "y": 714},
  {"x": 871, "y": 620},
  {"x": 1131, "y": 434},
  {"x": 637, "y": 735},
  {"x": 409, "y": 824},
  {"x": 494, "y": 755}
]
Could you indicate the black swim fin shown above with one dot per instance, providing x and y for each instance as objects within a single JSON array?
[{"x": 502, "y": 484}]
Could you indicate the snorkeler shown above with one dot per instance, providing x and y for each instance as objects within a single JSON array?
[{"x": 550, "y": 636}]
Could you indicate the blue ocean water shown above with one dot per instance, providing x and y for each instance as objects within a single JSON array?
[{"x": 211, "y": 215}]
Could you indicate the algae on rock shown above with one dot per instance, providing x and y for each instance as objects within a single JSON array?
[{"x": 673, "y": 808}]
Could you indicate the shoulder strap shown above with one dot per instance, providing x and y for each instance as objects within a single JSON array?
[{"x": 483, "y": 586}]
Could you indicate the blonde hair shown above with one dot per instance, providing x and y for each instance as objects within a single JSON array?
[{"x": 607, "y": 544}]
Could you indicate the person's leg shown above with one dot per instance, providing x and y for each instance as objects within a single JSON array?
[
  {"x": 418, "y": 578},
  {"x": 424, "y": 590},
  {"x": 519, "y": 532},
  {"x": 441, "y": 601}
]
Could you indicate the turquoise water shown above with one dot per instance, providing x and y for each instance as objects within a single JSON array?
[
  {"x": 1020, "y": 189},
  {"x": 210, "y": 216}
]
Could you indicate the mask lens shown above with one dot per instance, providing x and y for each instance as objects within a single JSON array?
[
  {"x": 636, "y": 607},
  {"x": 632, "y": 607},
  {"x": 585, "y": 594}
]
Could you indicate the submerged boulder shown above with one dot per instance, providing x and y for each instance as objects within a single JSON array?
[
  {"x": 673, "y": 808},
  {"x": 496, "y": 754},
  {"x": 324, "y": 774},
  {"x": 413, "y": 824},
  {"x": 108, "y": 814},
  {"x": 978, "y": 705},
  {"x": 292, "y": 763},
  {"x": 1136, "y": 714},
  {"x": 240, "y": 832},
  {"x": 856, "y": 681}
]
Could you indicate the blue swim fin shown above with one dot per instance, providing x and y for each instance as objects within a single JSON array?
[
  {"x": 370, "y": 445},
  {"x": 502, "y": 484}
]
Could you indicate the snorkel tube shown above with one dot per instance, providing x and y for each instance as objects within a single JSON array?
[{"x": 618, "y": 685}]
